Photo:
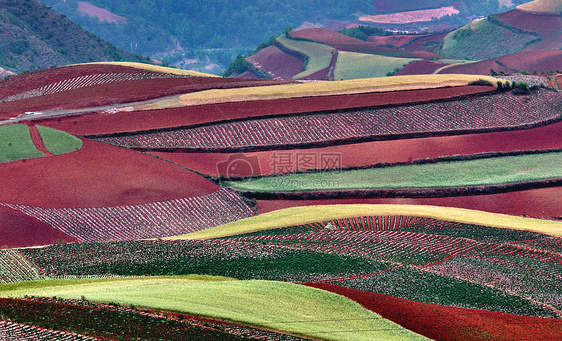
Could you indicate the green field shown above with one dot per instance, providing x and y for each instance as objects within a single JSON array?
[
  {"x": 445, "y": 174},
  {"x": 352, "y": 65},
  {"x": 319, "y": 55},
  {"x": 279, "y": 306},
  {"x": 482, "y": 39},
  {"x": 310, "y": 214},
  {"x": 16, "y": 144},
  {"x": 58, "y": 142}
]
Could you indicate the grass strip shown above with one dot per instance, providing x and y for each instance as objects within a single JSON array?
[
  {"x": 16, "y": 143},
  {"x": 285, "y": 307}
]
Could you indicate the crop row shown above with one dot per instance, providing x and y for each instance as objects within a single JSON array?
[
  {"x": 531, "y": 80},
  {"x": 10, "y": 331},
  {"x": 84, "y": 81},
  {"x": 152, "y": 220},
  {"x": 500, "y": 111},
  {"x": 15, "y": 267},
  {"x": 395, "y": 246}
]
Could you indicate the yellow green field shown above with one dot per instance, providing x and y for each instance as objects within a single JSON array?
[
  {"x": 319, "y": 55},
  {"x": 326, "y": 88},
  {"x": 285, "y": 307},
  {"x": 352, "y": 65},
  {"x": 161, "y": 69},
  {"x": 309, "y": 214},
  {"x": 16, "y": 144}
]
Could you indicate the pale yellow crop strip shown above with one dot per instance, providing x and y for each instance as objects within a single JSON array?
[
  {"x": 324, "y": 88},
  {"x": 309, "y": 214},
  {"x": 157, "y": 68}
]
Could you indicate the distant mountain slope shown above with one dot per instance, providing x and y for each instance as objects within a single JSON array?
[
  {"x": 35, "y": 37},
  {"x": 533, "y": 26}
]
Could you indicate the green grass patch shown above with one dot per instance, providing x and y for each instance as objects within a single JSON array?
[
  {"x": 59, "y": 142},
  {"x": 352, "y": 65},
  {"x": 319, "y": 55},
  {"x": 16, "y": 143},
  {"x": 446, "y": 174},
  {"x": 279, "y": 306},
  {"x": 482, "y": 39}
]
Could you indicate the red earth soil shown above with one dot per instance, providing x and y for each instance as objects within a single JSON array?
[
  {"x": 404, "y": 5},
  {"x": 392, "y": 151},
  {"x": 559, "y": 80},
  {"x": 548, "y": 26},
  {"x": 425, "y": 43},
  {"x": 442, "y": 323},
  {"x": 124, "y": 92},
  {"x": 97, "y": 175},
  {"x": 537, "y": 203},
  {"x": 29, "y": 81},
  {"x": 277, "y": 63},
  {"x": 38, "y": 140},
  {"x": 246, "y": 75},
  {"x": 425, "y": 55},
  {"x": 541, "y": 61},
  {"x": 342, "y": 42},
  {"x": 20, "y": 230},
  {"x": 421, "y": 67},
  {"x": 103, "y": 123},
  {"x": 327, "y": 73},
  {"x": 396, "y": 40}
]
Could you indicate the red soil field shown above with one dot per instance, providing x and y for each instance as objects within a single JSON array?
[
  {"x": 342, "y": 42},
  {"x": 277, "y": 63},
  {"x": 103, "y": 123},
  {"x": 246, "y": 75},
  {"x": 327, "y": 73},
  {"x": 20, "y": 230},
  {"x": 421, "y": 67},
  {"x": 541, "y": 61},
  {"x": 536, "y": 203},
  {"x": 425, "y": 55},
  {"x": 442, "y": 323},
  {"x": 32, "y": 80},
  {"x": 123, "y": 92},
  {"x": 404, "y": 5},
  {"x": 425, "y": 43},
  {"x": 392, "y": 151},
  {"x": 38, "y": 140},
  {"x": 396, "y": 40},
  {"x": 97, "y": 175},
  {"x": 548, "y": 26}
]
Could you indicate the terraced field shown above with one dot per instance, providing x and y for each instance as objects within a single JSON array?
[{"x": 319, "y": 55}]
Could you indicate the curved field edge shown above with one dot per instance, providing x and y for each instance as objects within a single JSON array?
[
  {"x": 324, "y": 88},
  {"x": 16, "y": 143},
  {"x": 303, "y": 215},
  {"x": 494, "y": 171},
  {"x": 155, "y": 68},
  {"x": 285, "y": 307},
  {"x": 59, "y": 142}
]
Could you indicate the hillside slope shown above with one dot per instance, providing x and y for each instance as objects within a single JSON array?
[{"x": 36, "y": 37}]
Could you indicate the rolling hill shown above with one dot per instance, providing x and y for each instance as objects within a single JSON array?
[{"x": 36, "y": 37}]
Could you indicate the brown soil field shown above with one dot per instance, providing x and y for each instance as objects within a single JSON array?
[
  {"x": 541, "y": 61},
  {"x": 536, "y": 203},
  {"x": 548, "y": 26},
  {"x": 124, "y": 92},
  {"x": 101, "y": 14},
  {"x": 442, "y": 323},
  {"x": 276, "y": 63},
  {"x": 420, "y": 67},
  {"x": 392, "y": 151},
  {"x": 20, "y": 230},
  {"x": 104, "y": 123},
  {"x": 97, "y": 175},
  {"x": 396, "y": 40},
  {"x": 246, "y": 75}
]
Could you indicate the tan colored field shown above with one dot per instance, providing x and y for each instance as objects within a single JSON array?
[
  {"x": 410, "y": 16},
  {"x": 327, "y": 88},
  {"x": 542, "y": 6},
  {"x": 161, "y": 69},
  {"x": 309, "y": 214}
]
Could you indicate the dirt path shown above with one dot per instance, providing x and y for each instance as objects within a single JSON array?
[{"x": 38, "y": 140}]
